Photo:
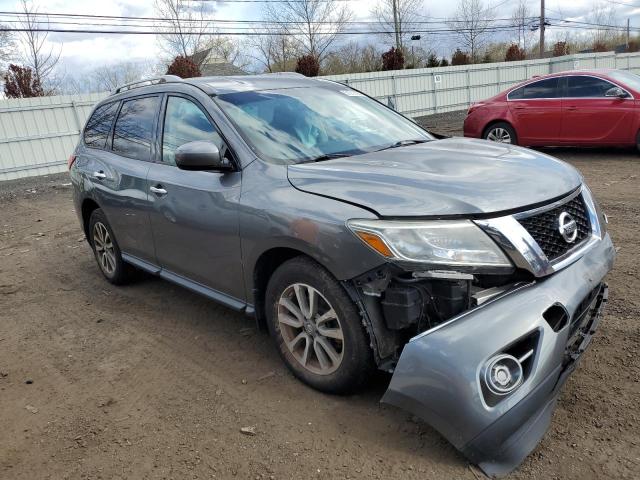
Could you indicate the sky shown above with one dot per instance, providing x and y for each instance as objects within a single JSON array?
[{"x": 81, "y": 52}]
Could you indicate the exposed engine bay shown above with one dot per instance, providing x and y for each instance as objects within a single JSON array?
[{"x": 398, "y": 304}]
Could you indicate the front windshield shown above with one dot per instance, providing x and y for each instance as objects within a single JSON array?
[
  {"x": 628, "y": 79},
  {"x": 295, "y": 125}
]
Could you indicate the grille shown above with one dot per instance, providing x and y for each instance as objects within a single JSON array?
[{"x": 543, "y": 227}]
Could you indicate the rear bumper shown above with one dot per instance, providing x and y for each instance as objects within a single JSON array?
[
  {"x": 438, "y": 376},
  {"x": 472, "y": 126}
]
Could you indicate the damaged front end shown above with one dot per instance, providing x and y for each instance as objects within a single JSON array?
[{"x": 481, "y": 352}]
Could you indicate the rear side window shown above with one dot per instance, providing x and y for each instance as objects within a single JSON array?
[
  {"x": 133, "y": 133},
  {"x": 581, "y": 86},
  {"x": 547, "y": 88},
  {"x": 99, "y": 125},
  {"x": 185, "y": 122}
]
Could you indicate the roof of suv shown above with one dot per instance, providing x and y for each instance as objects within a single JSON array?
[
  {"x": 244, "y": 83},
  {"x": 227, "y": 84}
]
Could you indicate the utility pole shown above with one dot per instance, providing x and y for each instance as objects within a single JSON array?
[
  {"x": 395, "y": 24},
  {"x": 628, "y": 28},
  {"x": 542, "y": 20}
]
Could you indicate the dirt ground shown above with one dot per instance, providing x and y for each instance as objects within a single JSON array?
[{"x": 152, "y": 381}]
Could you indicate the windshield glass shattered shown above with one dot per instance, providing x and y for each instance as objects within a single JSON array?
[{"x": 296, "y": 125}]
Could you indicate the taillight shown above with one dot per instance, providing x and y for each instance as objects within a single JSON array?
[{"x": 72, "y": 158}]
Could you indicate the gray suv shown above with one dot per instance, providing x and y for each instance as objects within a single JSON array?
[{"x": 471, "y": 271}]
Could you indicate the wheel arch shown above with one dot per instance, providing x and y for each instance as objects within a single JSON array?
[
  {"x": 266, "y": 264},
  {"x": 496, "y": 121},
  {"x": 87, "y": 208}
]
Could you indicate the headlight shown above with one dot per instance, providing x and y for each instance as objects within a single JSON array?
[{"x": 458, "y": 243}]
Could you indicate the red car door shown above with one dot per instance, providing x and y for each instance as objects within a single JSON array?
[
  {"x": 537, "y": 112},
  {"x": 589, "y": 117}
]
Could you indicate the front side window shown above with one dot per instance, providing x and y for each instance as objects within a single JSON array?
[
  {"x": 133, "y": 133},
  {"x": 185, "y": 122},
  {"x": 301, "y": 124},
  {"x": 99, "y": 125},
  {"x": 581, "y": 86},
  {"x": 547, "y": 88}
]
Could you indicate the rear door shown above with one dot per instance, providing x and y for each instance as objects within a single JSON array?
[
  {"x": 115, "y": 161},
  {"x": 194, "y": 214},
  {"x": 537, "y": 111},
  {"x": 589, "y": 117}
]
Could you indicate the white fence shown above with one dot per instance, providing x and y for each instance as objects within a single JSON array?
[
  {"x": 426, "y": 91},
  {"x": 38, "y": 134}
]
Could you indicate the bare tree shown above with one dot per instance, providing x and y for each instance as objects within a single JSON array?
[
  {"x": 471, "y": 23},
  {"x": 603, "y": 16},
  {"x": 274, "y": 51},
  {"x": 313, "y": 25},
  {"x": 521, "y": 19},
  {"x": 109, "y": 77},
  {"x": 37, "y": 54},
  {"x": 228, "y": 49},
  {"x": 408, "y": 12},
  {"x": 7, "y": 45},
  {"x": 189, "y": 24},
  {"x": 354, "y": 58}
]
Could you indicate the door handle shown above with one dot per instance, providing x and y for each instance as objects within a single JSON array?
[
  {"x": 572, "y": 107},
  {"x": 520, "y": 107},
  {"x": 99, "y": 175},
  {"x": 158, "y": 190}
]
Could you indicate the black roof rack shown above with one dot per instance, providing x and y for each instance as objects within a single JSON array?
[{"x": 146, "y": 82}]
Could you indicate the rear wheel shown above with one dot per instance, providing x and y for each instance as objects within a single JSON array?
[
  {"x": 106, "y": 250},
  {"x": 317, "y": 328},
  {"x": 501, "y": 132}
]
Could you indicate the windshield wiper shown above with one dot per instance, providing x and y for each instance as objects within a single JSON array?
[
  {"x": 326, "y": 156},
  {"x": 403, "y": 143}
]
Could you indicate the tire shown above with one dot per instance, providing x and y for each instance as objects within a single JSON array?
[
  {"x": 350, "y": 365},
  {"x": 501, "y": 130},
  {"x": 106, "y": 250}
]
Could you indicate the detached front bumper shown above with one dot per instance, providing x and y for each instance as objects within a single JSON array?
[{"x": 439, "y": 374}]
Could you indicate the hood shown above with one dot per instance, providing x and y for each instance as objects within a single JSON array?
[{"x": 455, "y": 176}]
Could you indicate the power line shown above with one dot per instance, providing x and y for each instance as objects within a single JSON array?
[
  {"x": 261, "y": 26},
  {"x": 215, "y": 20},
  {"x": 253, "y": 33}
]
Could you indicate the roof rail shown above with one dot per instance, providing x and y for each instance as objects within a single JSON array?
[
  {"x": 288, "y": 74},
  {"x": 146, "y": 82}
]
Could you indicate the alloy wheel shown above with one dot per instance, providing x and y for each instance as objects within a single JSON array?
[
  {"x": 499, "y": 135},
  {"x": 105, "y": 251},
  {"x": 310, "y": 329}
]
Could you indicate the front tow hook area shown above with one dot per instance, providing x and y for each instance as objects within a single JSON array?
[{"x": 442, "y": 374}]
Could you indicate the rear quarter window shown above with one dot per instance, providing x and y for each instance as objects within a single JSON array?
[
  {"x": 99, "y": 125},
  {"x": 133, "y": 133}
]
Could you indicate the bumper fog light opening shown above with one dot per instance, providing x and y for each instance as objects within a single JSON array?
[{"x": 503, "y": 374}]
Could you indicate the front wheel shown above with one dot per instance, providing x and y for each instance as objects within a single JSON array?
[
  {"x": 501, "y": 132},
  {"x": 317, "y": 328}
]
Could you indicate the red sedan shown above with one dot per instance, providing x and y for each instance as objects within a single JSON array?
[{"x": 591, "y": 108}]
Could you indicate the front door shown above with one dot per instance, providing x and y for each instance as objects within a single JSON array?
[
  {"x": 194, "y": 216},
  {"x": 537, "y": 111},
  {"x": 589, "y": 117}
]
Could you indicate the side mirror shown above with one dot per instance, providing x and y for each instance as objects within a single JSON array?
[
  {"x": 201, "y": 155},
  {"x": 616, "y": 92}
]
